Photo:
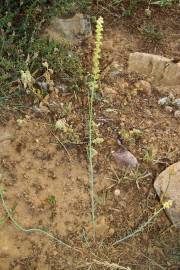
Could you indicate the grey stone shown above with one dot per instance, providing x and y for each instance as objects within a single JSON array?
[
  {"x": 124, "y": 158},
  {"x": 164, "y": 101},
  {"x": 115, "y": 73},
  {"x": 72, "y": 29},
  {"x": 176, "y": 103},
  {"x": 167, "y": 186},
  {"x": 162, "y": 71},
  {"x": 43, "y": 85}
]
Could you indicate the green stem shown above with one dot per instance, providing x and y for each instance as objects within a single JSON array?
[
  {"x": 140, "y": 228},
  {"x": 91, "y": 172}
]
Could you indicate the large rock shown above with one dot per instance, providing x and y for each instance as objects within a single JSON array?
[
  {"x": 163, "y": 71},
  {"x": 167, "y": 186},
  {"x": 72, "y": 29}
]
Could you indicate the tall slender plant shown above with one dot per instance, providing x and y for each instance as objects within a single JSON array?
[{"x": 93, "y": 87}]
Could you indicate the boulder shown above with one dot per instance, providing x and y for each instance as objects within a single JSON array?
[
  {"x": 162, "y": 71},
  {"x": 72, "y": 29},
  {"x": 167, "y": 186}
]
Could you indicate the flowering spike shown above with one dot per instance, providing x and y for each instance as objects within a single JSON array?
[{"x": 97, "y": 51}]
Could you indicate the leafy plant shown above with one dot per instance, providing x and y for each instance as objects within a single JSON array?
[{"x": 151, "y": 32}]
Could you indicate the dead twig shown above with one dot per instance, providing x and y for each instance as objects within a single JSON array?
[{"x": 69, "y": 156}]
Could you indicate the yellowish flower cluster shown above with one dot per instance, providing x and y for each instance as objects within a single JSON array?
[
  {"x": 97, "y": 51},
  {"x": 167, "y": 204}
]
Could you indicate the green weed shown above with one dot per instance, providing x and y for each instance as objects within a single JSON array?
[
  {"x": 151, "y": 32},
  {"x": 52, "y": 200},
  {"x": 130, "y": 136}
]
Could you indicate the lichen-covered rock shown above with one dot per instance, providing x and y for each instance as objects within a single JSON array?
[{"x": 167, "y": 186}]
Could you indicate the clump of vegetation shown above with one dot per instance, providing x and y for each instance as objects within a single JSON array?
[
  {"x": 66, "y": 133},
  {"x": 52, "y": 200},
  {"x": 151, "y": 32},
  {"x": 130, "y": 136},
  {"x": 22, "y": 48}
]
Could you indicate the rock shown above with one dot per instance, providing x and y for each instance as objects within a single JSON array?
[
  {"x": 168, "y": 109},
  {"x": 124, "y": 158},
  {"x": 72, "y": 29},
  {"x": 117, "y": 192},
  {"x": 115, "y": 73},
  {"x": 43, "y": 86},
  {"x": 63, "y": 88},
  {"x": 177, "y": 114},
  {"x": 176, "y": 103},
  {"x": 175, "y": 89},
  {"x": 167, "y": 186},
  {"x": 163, "y": 71},
  {"x": 164, "y": 101},
  {"x": 171, "y": 97},
  {"x": 144, "y": 86},
  {"x": 6, "y": 136}
]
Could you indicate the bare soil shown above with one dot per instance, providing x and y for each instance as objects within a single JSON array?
[{"x": 37, "y": 164}]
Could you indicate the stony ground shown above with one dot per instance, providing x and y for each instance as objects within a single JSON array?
[{"x": 45, "y": 179}]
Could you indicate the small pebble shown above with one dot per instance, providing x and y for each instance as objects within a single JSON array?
[
  {"x": 168, "y": 109},
  {"x": 43, "y": 85},
  {"x": 171, "y": 97},
  {"x": 144, "y": 86},
  {"x": 117, "y": 192},
  {"x": 164, "y": 101},
  {"x": 115, "y": 73},
  {"x": 177, "y": 114},
  {"x": 176, "y": 103}
]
